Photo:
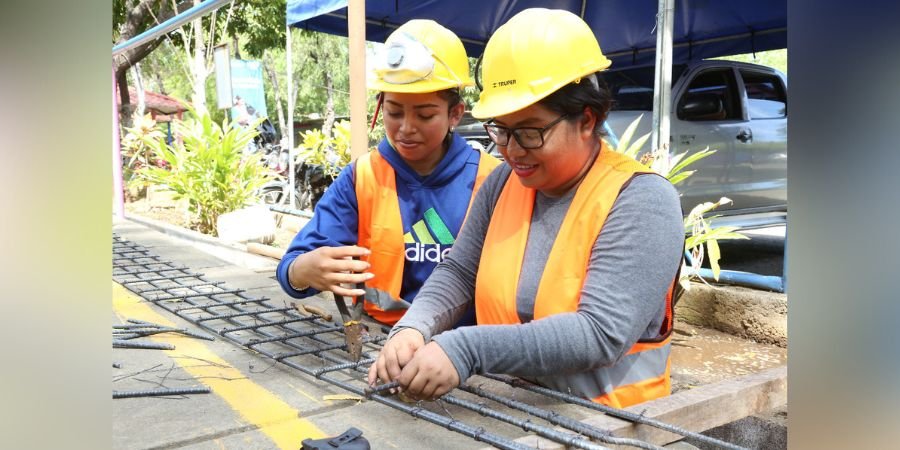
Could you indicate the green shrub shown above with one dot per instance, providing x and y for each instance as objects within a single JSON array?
[
  {"x": 208, "y": 168},
  {"x": 136, "y": 154},
  {"x": 330, "y": 152}
]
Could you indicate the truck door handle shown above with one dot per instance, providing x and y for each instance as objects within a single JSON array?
[{"x": 744, "y": 136}]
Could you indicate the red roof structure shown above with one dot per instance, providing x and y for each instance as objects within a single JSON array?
[{"x": 161, "y": 107}]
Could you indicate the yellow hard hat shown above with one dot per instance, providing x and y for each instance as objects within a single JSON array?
[
  {"x": 531, "y": 56},
  {"x": 420, "y": 56}
]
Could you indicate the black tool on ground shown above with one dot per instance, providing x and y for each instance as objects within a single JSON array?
[
  {"x": 353, "y": 327},
  {"x": 351, "y": 440}
]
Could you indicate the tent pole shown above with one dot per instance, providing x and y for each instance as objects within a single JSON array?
[
  {"x": 662, "y": 92},
  {"x": 118, "y": 185},
  {"x": 290, "y": 116},
  {"x": 356, "y": 30}
]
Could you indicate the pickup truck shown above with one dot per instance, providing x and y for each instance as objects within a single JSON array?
[{"x": 737, "y": 109}]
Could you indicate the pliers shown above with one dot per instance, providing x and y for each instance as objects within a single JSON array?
[{"x": 353, "y": 328}]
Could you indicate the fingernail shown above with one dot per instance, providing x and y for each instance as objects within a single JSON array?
[{"x": 370, "y": 275}]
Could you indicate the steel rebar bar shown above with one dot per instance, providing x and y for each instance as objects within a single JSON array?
[
  {"x": 140, "y": 272},
  {"x": 381, "y": 388},
  {"x": 142, "y": 345},
  {"x": 254, "y": 342},
  {"x": 247, "y": 313},
  {"x": 159, "y": 278},
  {"x": 142, "y": 332},
  {"x": 310, "y": 351},
  {"x": 157, "y": 298},
  {"x": 215, "y": 305},
  {"x": 160, "y": 392},
  {"x": 268, "y": 324},
  {"x": 145, "y": 264},
  {"x": 183, "y": 286},
  {"x": 350, "y": 365}
]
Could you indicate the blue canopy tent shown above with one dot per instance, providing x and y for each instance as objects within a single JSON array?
[{"x": 625, "y": 28}]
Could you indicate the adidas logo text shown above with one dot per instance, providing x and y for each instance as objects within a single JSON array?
[{"x": 426, "y": 252}]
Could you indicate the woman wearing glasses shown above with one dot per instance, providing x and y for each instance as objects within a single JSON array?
[
  {"x": 571, "y": 251},
  {"x": 393, "y": 215}
]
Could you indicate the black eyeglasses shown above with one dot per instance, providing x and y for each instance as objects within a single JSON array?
[{"x": 527, "y": 137}]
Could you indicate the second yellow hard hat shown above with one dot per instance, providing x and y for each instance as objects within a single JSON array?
[{"x": 531, "y": 56}]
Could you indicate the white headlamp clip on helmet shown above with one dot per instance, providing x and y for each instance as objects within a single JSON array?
[
  {"x": 404, "y": 60},
  {"x": 420, "y": 56}
]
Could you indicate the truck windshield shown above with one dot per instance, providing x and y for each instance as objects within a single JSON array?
[{"x": 632, "y": 88}]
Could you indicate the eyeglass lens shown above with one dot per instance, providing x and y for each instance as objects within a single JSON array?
[{"x": 527, "y": 137}]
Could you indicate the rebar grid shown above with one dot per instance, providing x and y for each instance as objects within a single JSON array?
[{"x": 287, "y": 336}]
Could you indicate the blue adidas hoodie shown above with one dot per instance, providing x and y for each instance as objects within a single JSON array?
[{"x": 426, "y": 203}]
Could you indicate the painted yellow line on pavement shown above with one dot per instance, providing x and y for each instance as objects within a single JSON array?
[{"x": 275, "y": 418}]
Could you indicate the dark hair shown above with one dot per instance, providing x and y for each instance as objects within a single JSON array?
[
  {"x": 574, "y": 97},
  {"x": 452, "y": 96}
]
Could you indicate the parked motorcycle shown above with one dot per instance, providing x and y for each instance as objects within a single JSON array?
[{"x": 310, "y": 183}]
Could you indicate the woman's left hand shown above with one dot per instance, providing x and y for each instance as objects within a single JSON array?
[{"x": 429, "y": 374}]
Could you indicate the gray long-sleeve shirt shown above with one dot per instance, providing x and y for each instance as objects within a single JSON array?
[{"x": 632, "y": 264}]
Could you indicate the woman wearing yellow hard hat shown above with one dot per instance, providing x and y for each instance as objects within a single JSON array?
[
  {"x": 571, "y": 251},
  {"x": 398, "y": 209}
]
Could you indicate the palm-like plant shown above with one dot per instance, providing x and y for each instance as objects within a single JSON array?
[{"x": 207, "y": 167}]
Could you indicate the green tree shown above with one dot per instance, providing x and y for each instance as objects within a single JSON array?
[{"x": 131, "y": 18}]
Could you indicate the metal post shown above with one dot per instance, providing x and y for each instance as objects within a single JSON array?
[
  {"x": 118, "y": 185},
  {"x": 290, "y": 114},
  {"x": 662, "y": 92},
  {"x": 197, "y": 12},
  {"x": 356, "y": 31}
]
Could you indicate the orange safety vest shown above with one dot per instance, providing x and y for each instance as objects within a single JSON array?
[
  {"x": 381, "y": 231},
  {"x": 642, "y": 374}
]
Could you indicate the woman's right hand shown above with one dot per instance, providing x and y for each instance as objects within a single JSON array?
[
  {"x": 326, "y": 268},
  {"x": 397, "y": 352}
]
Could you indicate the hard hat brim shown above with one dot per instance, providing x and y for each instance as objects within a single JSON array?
[
  {"x": 500, "y": 103},
  {"x": 418, "y": 87}
]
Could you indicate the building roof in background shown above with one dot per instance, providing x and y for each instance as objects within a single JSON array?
[{"x": 155, "y": 102}]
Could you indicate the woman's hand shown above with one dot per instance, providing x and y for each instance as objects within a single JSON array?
[
  {"x": 397, "y": 352},
  {"x": 325, "y": 268},
  {"x": 429, "y": 375}
]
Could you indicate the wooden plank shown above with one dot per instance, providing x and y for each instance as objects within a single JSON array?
[
  {"x": 705, "y": 407},
  {"x": 697, "y": 410},
  {"x": 265, "y": 250}
]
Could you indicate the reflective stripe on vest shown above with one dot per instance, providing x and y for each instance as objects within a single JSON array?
[
  {"x": 643, "y": 373},
  {"x": 381, "y": 231}
]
